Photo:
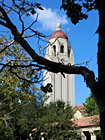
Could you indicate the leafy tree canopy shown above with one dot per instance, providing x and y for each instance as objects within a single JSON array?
[
  {"x": 55, "y": 122},
  {"x": 78, "y": 10},
  {"x": 21, "y": 104},
  {"x": 90, "y": 106},
  {"x": 17, "y": 91}
]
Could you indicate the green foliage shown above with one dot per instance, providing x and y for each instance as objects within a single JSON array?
[
  {"x": 17, "y": 107},
  {"x": 78, "y": 9},
  {"x": 21, "y": 104},
  {"x": 55, "y": 122},
  {"x": 91, "y": 107},
  {"x": 98, "y": 133},
  {"x": 16, "y": 95}
]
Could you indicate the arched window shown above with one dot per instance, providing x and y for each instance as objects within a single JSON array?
[
  {"x": 54, "y": 50},
  {"x": 62, "y": 49},
  {"x": 68, "y": 52},
  {"x": 69, "y": 48}
]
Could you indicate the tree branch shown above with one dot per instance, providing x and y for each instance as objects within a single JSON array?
[
  {"x": 6, "y": 47},
  {"x": 22, "y": 66},
  {"x": 47, "y": 64},
  {"x": 32, "y": 23},
  {"x": 3, "y": 23}
]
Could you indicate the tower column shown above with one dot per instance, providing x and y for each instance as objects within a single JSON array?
[{"x": 59, "y": 50}]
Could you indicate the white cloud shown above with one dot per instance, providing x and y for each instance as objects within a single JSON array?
[{"x": 49, "y": 19}]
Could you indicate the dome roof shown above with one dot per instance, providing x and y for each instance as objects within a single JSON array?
[{"x": 58, "y": 33}]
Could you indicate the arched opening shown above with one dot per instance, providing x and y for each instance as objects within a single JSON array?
[
  {"x": 62, "y": 49},
  {"x": 69, "y": 49},
  {"x": 68, "y": 52},
  {"x": 54, "y": 50}
]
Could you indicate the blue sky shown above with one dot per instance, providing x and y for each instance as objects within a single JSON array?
[{"x": 81, "y": 36}]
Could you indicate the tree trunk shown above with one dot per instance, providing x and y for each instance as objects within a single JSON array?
[
  {"x": 100, "y": 100},
  {"x": 100, "y": 95}
]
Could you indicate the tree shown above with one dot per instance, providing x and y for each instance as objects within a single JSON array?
[
  {"x": 55, "y": 123},
  {"x": 28, "y": 117},
  {"x": 75, "y": 9},
  {"x": 91, "y": 106},
  {"x": 17, "y": 94}
]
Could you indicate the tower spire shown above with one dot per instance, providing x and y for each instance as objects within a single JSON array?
[{"x": 58, "y": 27}]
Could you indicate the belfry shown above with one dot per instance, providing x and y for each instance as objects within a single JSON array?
[{"x": 59, "y": 50}]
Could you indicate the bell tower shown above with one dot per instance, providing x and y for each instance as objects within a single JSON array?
[{"x": 59, "y": 50}]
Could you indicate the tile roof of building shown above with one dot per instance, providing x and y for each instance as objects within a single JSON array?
[
  {"x": 81, "y": 108},
  {"x": 87, "y": 121}
]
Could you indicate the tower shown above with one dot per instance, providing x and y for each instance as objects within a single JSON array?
[{"x": 59, "y": 50}]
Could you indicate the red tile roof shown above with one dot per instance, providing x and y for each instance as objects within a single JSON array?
[
  {"x": 87, "y": 121},
  {"x": 81, "y": 108}
]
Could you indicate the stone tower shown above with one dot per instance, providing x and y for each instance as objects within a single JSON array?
[{"x": 59, "y": 50}]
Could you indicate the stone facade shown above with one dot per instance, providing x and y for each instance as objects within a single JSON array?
[{"x": 59, "y": 50}]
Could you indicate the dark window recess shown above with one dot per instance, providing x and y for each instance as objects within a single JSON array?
[
  {"x": 68, "y": 52},
  {"x": 54, "y": 48},
  {"x": 62, "y": 49}
]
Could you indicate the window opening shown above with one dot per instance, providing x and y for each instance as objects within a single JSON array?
[
  {"x": 68, "y": 52},
  {"x": 54, "y": 49},
  {"x": 62, "y": 49}
]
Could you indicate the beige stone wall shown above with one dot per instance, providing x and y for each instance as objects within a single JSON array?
[
  {"x": 63, "y": 88},
  {"x": 78, "y": 115}
]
